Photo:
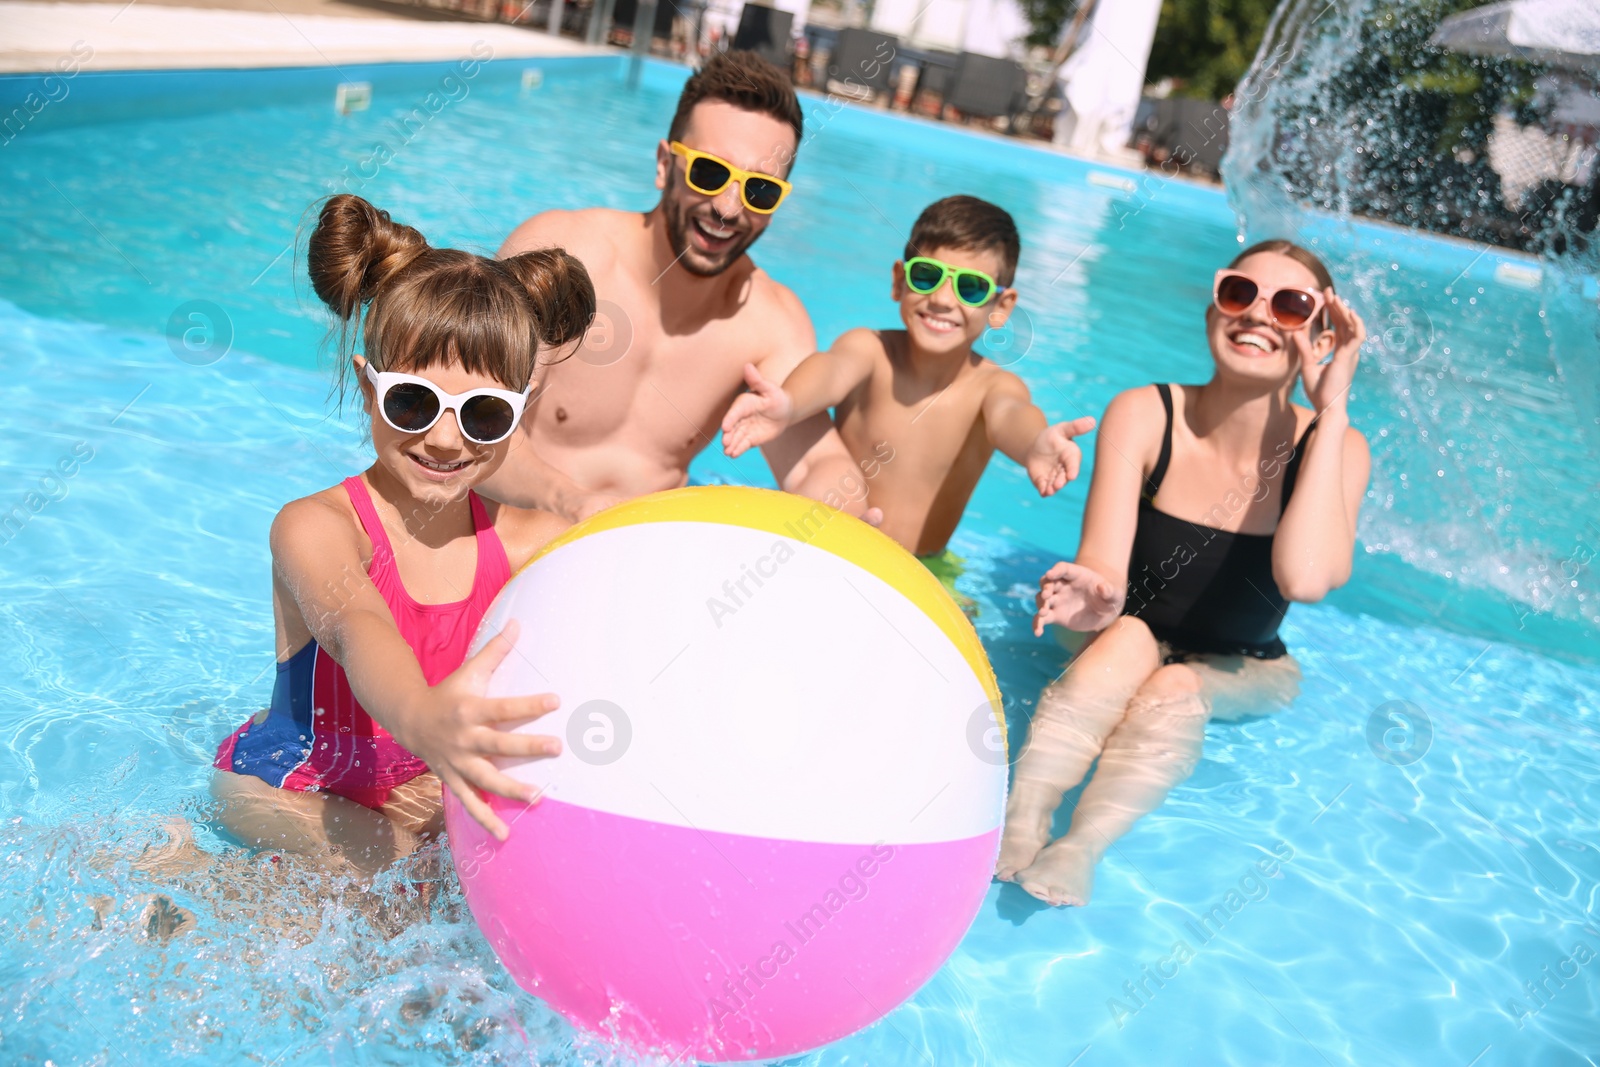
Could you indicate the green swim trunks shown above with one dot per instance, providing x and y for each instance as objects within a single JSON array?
[{"x": 947, "y": 567}]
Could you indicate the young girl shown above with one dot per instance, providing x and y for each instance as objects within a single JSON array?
[
  {"x": 1211, "y": 507},
  {"x": 379, "y": 583}
]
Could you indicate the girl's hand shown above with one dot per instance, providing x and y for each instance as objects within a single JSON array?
[
  {"x": 1055, "y": 457},
  {"x": 1328, "y": 384},
  {"x": 1077, "y": 598},
  {"x": 755, "y": 417},
  {"x": 453, "y": 730}
]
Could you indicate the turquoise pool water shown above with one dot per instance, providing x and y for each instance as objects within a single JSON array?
[{"x": 1431, "y": 912}]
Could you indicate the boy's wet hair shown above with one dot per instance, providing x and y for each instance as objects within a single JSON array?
[
  {"x": 427, "y": 306},
  {"x": 969, "y": 224},
  {"x": 745, "y": 80}
]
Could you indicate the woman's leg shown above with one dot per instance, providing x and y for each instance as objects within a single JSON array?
[
  {"x": 1075, "y": 715},
  {"x": 332, "y": 830},
  {"x": 1242, "y": 687},
  {"x": 1155, "y": 747}
]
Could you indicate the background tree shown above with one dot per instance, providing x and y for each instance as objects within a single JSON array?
[{"x": 1207, "y": 45}]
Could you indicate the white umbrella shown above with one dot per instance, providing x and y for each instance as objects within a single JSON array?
[{"x": 1561, "y": 33}]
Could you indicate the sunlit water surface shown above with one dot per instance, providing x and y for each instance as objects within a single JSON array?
[{"x": 1421, "y": 899}]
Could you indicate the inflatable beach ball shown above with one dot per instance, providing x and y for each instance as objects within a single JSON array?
[{"x": 779, "y": 801}]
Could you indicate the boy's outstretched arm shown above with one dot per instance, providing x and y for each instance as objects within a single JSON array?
[
  {"x": 1019, "y": 429},
  {"x": 817, "y": 384}
]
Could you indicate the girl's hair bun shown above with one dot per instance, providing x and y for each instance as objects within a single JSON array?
[{"x": 356, "y": 250}]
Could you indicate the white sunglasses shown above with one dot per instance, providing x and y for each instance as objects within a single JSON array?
[{"x": 412, "y": 405}]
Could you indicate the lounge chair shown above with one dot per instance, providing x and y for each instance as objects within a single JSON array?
[
  {"x": 622, "y": 16},
  {"x": 860, "y": 65},
  {"x": 985, "y": 87},
  {"x": 766, "y": 32}
]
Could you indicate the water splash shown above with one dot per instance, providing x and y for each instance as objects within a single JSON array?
[{"x": 1348, "y": 125}]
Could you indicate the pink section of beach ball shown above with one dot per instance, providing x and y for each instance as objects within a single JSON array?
[{"x": 713, "y": 945}]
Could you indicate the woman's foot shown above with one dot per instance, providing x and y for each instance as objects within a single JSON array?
[
  {"x": 1027, "y": 831},
  {"x": 1018, "y": 849},
  {"x": 1063, "y": 874}
]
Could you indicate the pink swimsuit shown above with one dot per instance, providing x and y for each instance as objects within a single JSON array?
[{"x": 315, "y": 735}]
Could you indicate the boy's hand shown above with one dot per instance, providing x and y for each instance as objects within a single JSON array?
[
  {"x": 454, "y": 730},
  {"x": 755, "y": 417},
  {"x": 1077, "y": 598},
  {"x": 1055, "y": 457}
]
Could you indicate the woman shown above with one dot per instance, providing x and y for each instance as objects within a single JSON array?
[{"x": 1210, "y": 508}]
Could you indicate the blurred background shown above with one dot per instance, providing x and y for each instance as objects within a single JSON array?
[{"x": 1488, "y": 116}]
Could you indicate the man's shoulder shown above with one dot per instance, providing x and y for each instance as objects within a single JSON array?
[
  {"x": 771, "y": 298},
  {"x": 587, "y": 233}
]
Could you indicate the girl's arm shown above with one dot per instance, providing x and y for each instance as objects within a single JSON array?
[
  {"x": 821, "y": 381},
  {"x": 1017, "y": 428},
  {"x": 1088, "y": 594},
  {"x": 1314, "y": 547},
  {"x": 317, "y": 569}
]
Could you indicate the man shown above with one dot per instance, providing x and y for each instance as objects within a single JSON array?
[{"x": 682, "y": 310}]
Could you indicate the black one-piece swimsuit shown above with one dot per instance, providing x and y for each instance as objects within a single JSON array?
[{"x": 1202, "y": 590}]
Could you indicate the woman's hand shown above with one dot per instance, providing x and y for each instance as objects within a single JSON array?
[
  {"x": 453, "y": 729},
  {"x": 755, "y": 417},
  {"x": 1055, "y": 457},
  {"x": 1327, "y": 384},
  {"x": 1077, "y": 598}
]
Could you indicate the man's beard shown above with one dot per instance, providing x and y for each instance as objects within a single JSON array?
[{"x": 691, "y": 258}]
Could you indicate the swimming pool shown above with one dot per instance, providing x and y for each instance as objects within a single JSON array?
[{"x": 1422, "y": 903}]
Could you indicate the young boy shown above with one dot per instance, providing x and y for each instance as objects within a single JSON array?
[{"x": 921, "y": 395}]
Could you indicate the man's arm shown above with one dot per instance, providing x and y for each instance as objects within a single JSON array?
[{"x": 526, "y": 481}]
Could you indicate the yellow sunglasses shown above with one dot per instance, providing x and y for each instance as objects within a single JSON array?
[{"x": 708, "y": 175}]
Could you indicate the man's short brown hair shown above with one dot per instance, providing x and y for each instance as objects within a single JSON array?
[
  {"x": 967, "y": 223},
  {"x": 745, "y": 80}
]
